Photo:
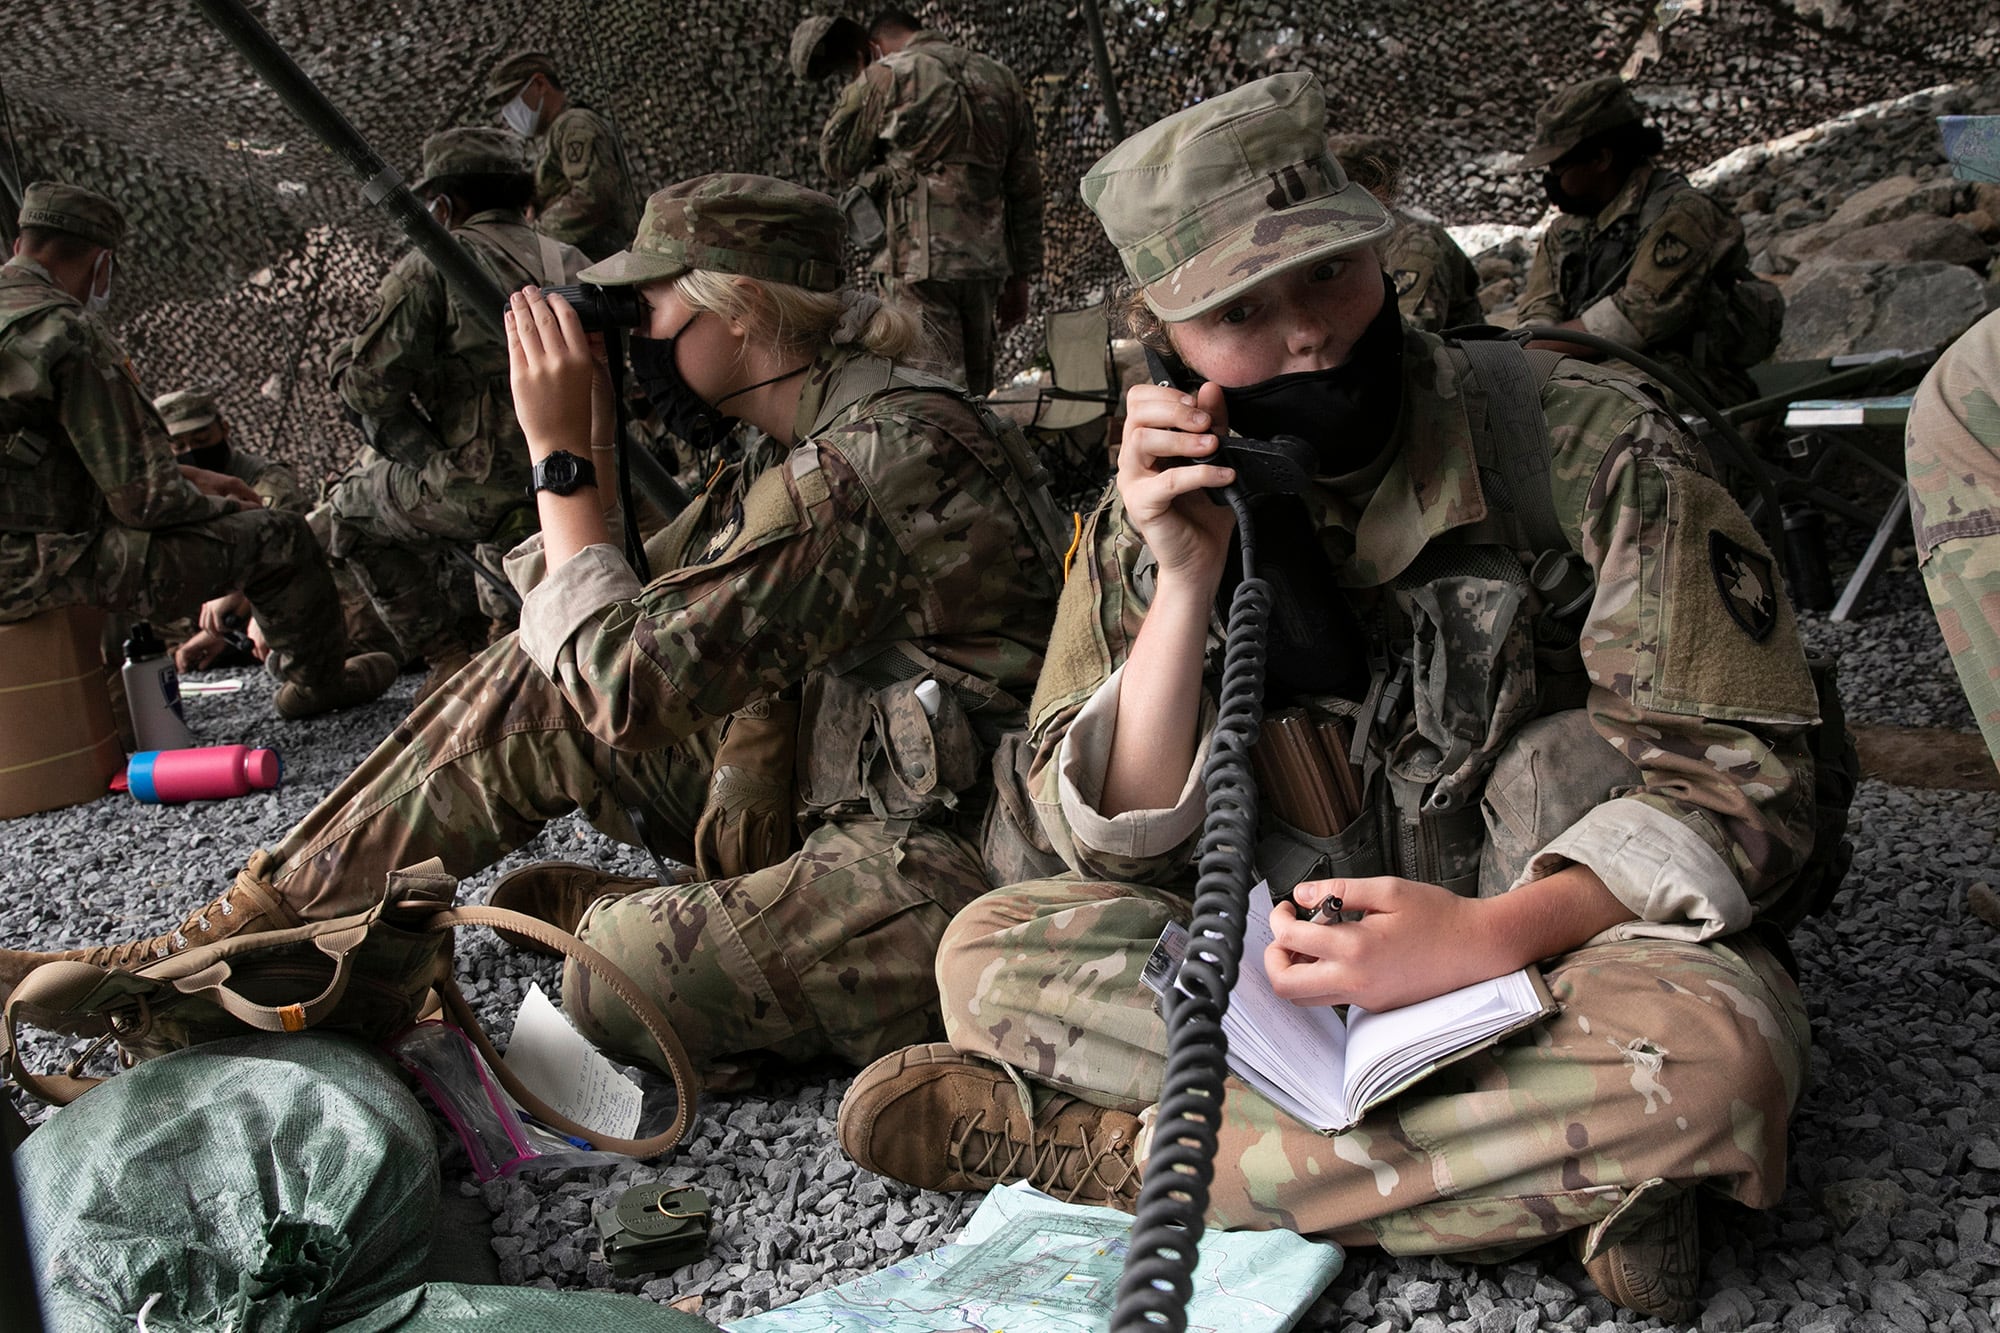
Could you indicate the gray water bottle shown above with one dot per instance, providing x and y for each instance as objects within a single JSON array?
[{"x": 153, "y": 692}]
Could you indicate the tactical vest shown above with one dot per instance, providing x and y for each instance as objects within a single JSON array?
[
  {"x": 1479, "y": 636},
  {"x": 887, "y": 729},
  {"x": 44, "y": 486},
  {"x": 473, "y": 407}
]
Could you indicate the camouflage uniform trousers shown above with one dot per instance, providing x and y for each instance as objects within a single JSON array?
[
  {"x": 829, "y": 952},
  {"x": 1963, "y": 578},
  {"x": 169, "y": 572},
  {"x": 394, "y": 528},
  {"x": 1669, "y": 1063},
  {"x": 960, "y": 329}
]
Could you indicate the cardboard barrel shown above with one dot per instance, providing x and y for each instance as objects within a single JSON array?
[{"x": 57, "y": 743}]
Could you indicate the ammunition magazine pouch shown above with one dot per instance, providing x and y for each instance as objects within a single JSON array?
[
  {"x": 866, "y": 229},
  {"x": 886, "y": 749},
  {"x": 22, "y": 449}
]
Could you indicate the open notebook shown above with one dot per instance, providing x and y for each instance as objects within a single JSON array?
[{"x": 1328, "y": 1072}]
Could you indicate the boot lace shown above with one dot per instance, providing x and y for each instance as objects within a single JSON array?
[
  {"x": 1100, "y": 1172},
  {"x": 195, "y": 930}
]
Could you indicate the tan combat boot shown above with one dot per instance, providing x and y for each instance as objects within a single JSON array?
[
  {"x": 250, "y": 906},
  {"x": 1654, "y": 1270},
  {"x": 558, "y": 892},
  {"x": 935, "y": 1117},
  {"x": 362, "y": 680}
]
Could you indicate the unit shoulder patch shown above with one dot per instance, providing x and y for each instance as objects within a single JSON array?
[{"x": 1748, "y": 585}]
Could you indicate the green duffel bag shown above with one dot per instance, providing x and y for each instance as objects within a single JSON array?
[
  {"x": 260, "y": 1184},
  {"x": 443, "y": 1306}
]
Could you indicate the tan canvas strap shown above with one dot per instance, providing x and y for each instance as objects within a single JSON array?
[
  {"x": 673, "y": 1054},
  {"x": 58, "y": 987},
  {"x": 552, "y": 266},
  {"x": 64, "y": 989}
]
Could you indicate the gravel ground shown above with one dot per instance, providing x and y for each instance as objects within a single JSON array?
[{"x": 1892, "y": 1220}]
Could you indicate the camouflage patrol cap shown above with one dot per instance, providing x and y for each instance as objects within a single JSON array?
[
  {"x": 1579, "y": 112},
  {"x": 186, "y": 411},
  {"x": 73, "y": 209},
  {"x": 512, "y": 74},
  {"x": 730, "y": 222},
  {"x": 472, "y": 151},
  {"x": 1212, "y": 200},
  {"x": 817, "y": 41}
]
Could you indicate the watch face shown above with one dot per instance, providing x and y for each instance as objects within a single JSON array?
[{"x": 558, "y": 472}]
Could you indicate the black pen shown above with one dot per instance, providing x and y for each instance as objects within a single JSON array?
[{"x": 1327, "y": 913}]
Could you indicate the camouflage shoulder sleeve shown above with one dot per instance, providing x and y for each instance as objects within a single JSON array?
[
  {"x": 1953, "y": 442},
  {"x": 117, "y": 434},
  {"x": 1672, "y": 266},
  {"x": 1428, "y": 270},
  {"x": 851, "y": 141},
  {"x": 1022, "y": 180},
  {"x": 1696, "y": 669},
  {"x": 1103, "y": 602},
  {"x": 280, "y": 487},
  {"x": 801, "y": 570},
  {"x": 1541, "y": 295},
  {"x": 397, "y": 348},
  {"x": 593, "y": 181}
]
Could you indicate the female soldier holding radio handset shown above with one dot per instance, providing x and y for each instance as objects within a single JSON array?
[{"x": 1622, "y": 825}]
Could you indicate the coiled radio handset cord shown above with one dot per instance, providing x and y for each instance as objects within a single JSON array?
[{"x": 1173, "y": 1202}]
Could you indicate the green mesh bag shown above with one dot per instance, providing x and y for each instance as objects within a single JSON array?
[
  {"x": 444, "y": 1306},
  {"x": 258, "y": 1184}
]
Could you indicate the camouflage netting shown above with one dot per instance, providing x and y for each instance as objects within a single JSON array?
[{"x": 251, "y": 251}]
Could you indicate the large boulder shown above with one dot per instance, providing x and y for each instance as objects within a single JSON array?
[
  {"x": 1835, "y": 307},
  {"x": 1915, "y": 238},
  {"x": 1883, "y": 202}
]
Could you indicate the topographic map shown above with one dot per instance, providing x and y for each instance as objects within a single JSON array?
[{"x": 1029, "y": 1264}]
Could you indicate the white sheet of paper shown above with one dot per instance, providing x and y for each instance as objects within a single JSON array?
[{"x": 566, "y": 1071}]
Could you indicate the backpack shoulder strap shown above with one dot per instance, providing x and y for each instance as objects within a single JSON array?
[
  {"x": 552, "y": 265},
  {"x": 1512, "y": 434}
]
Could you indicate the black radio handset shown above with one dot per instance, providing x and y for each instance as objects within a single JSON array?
[{"x": 1282, "y": 465}]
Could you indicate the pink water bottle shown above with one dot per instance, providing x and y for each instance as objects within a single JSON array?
[{"x": 211, "y": 772}]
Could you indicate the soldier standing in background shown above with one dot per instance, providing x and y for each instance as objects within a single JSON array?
[
  {"x": 1437, "y": 287},
  {"x": 941, "y": 142},
  {"x": 1639, "y": 255},
  {"x": 448, "y": 465},
  {"x": 583, "y": 185},
  {"x": 94, "y": 510}
]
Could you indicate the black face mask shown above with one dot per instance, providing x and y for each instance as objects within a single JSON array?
[
  {"x": 1346, "y": 413},
  {"x": 684, "y": 413},
  {"x": 1563, "y": 199},
  {"x": 213, "y": 457}
]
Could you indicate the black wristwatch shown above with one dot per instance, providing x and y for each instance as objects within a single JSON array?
[{"x": 562, "y": 472}]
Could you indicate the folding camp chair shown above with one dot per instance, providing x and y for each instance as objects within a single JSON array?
[
  {"x": 1068, "y": 412},
  {"x": 1843, "y": 408}
]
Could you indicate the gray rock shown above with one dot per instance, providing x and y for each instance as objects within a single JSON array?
[
  {"x": 1916, "y": 238},
  {"x": 1835, "y": 307},
  {"x": 1727, "y": 1311},
  {"x": 1845, "y": 1200}
]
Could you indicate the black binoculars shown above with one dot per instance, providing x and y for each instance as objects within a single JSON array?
[{"x": 602, "y": 309}]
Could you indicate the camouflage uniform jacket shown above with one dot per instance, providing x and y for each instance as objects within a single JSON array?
[
  {"x": 427, "y": 380},
  {"x": 81, "y": 447},
  {"x": 943, "y": 138},
  {"x": 583, "y": 189},
  {"x": 1657, "y": 304},
  {"x": 1954, "y": 442},
  {"x": 1437, "y": 287},
  {"x": 1711, "y": 713},
  {"x": 902, "y": 537},
  {"x": 275, "y": 482}
]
